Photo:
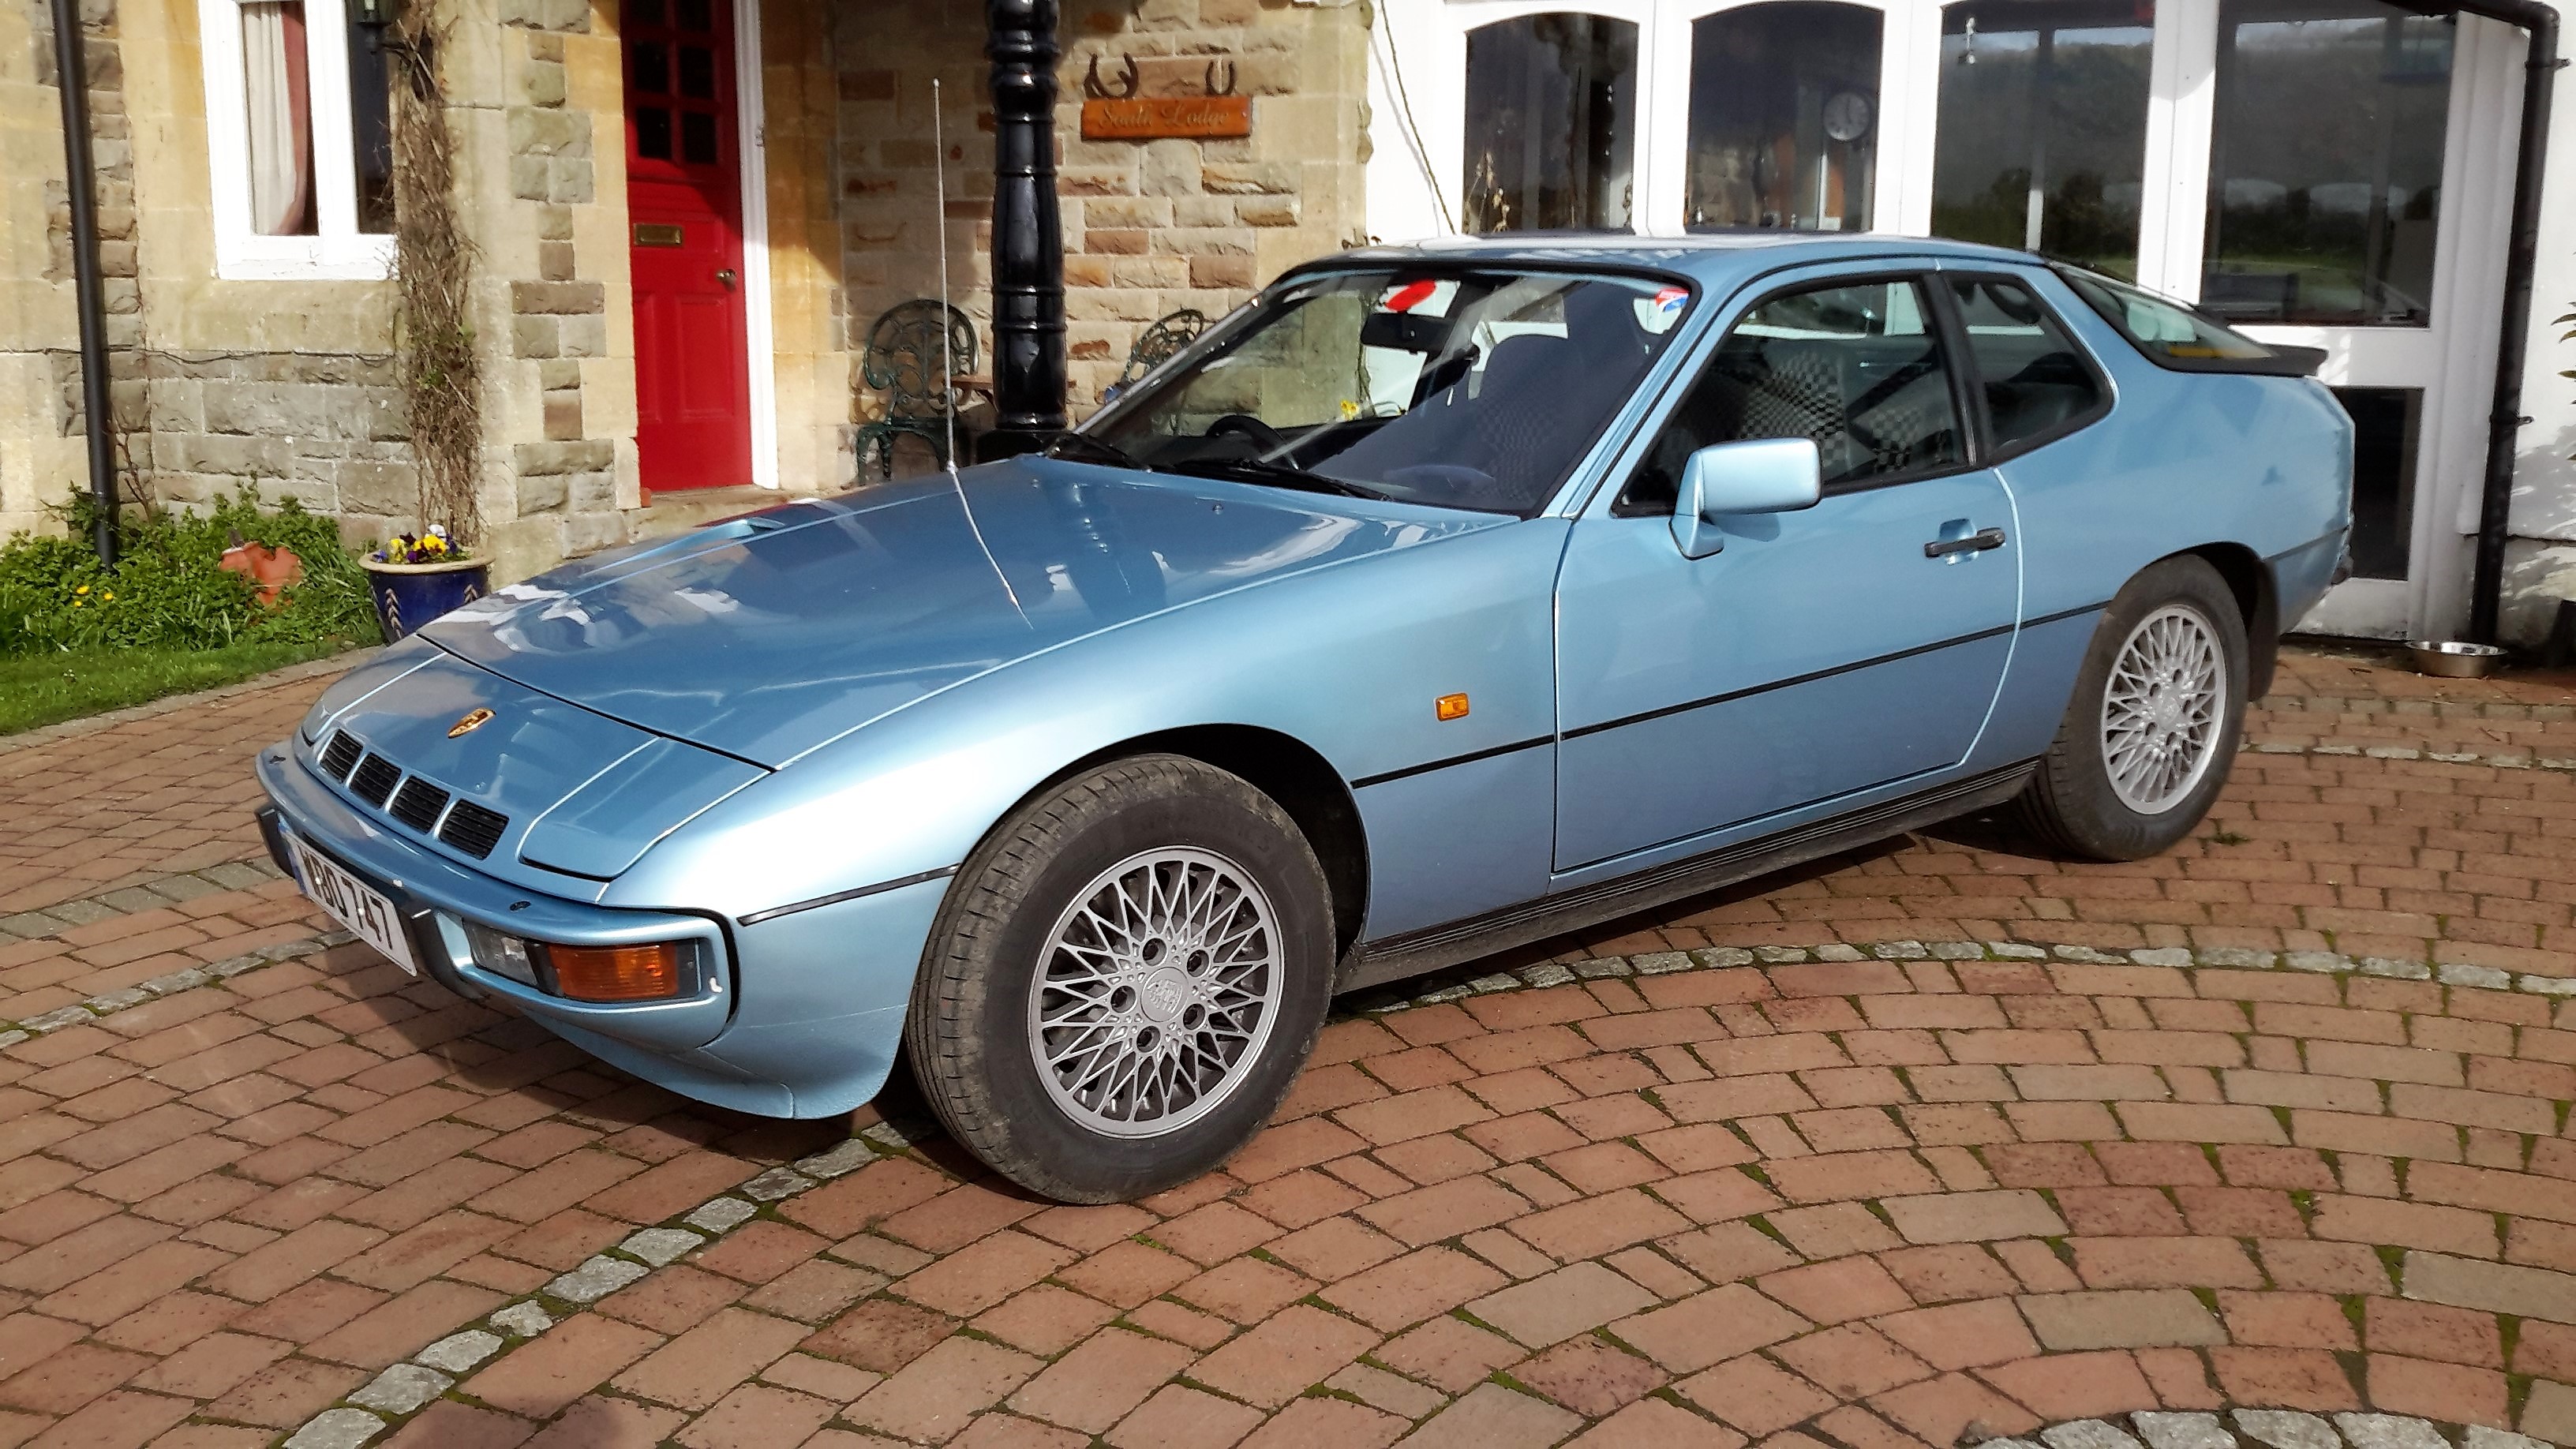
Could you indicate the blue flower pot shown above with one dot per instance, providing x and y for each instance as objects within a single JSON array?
[{"x": 410, "y": 595}]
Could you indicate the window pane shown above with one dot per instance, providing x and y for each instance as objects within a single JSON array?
[
  {"x": 697, "y": 72},
  {"x": 1479, "y": 391},
  {"x": 2034, "y": 377},
  {"x": 1856, "y": 368},
  {"x": 1551, "y": 124},
  {"x": 2386, "y": 423},
  {"x": 2326, "y": 168},
  {"x": 1783, "y": 117},
  {"x": 2043, "y": 130},
  {"x": 695, "y": 15},
  {"x": 281, "y": 117},
  {"x": 371, "y": 129},
  {"x": 651, "y": 63},
  {"x": 2166, "y": 330},
  {"x": 697, "y": 138},
  {"x": 644, "y": 12},
  {"x": 653, "y": 133}
]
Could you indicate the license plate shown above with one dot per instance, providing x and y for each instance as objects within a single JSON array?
[{"x": 353, "y": 903}]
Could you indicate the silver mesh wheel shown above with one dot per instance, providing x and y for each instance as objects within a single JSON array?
[
  {"x": 1155, "y": 992},
  {"x": 2162, "y": 707}
]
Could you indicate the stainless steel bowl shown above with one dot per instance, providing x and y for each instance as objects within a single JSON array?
[{"x": 2453, "y": 660}]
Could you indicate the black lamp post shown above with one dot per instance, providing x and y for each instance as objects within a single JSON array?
[{"x": 1028, "y": 232}]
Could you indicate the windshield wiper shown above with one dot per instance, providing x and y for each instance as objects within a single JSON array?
[
  {"x": 1097, "y": 450},
  {"x": 1281, "y": 475}
]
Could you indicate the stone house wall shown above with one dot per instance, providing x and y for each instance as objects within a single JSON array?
[{"x": 291, "y": 384}]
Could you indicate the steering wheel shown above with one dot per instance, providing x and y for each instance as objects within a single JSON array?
[{"x": 1261, "y": 433}]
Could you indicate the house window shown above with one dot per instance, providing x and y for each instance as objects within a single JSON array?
[{"x": 298, "y": 140}]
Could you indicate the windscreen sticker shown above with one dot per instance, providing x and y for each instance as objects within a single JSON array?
[
  {"x": 1659, "y": 313},
  {"x": 1411, "y": 295}
]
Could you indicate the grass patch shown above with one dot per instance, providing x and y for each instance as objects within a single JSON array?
[{"x": 43, "y": 689}]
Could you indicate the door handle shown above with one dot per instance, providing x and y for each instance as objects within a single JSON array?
[
  {"x": 1977, "y": 542},
  {"x": 725, "y": 275}
]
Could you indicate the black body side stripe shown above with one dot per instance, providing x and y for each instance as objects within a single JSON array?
[
  {"x": 1466, "y": 759},
  {"x": 2063, "y": 614},
  {"x": 834, "y": 899},
  {"x": 1593, "y": 729}
]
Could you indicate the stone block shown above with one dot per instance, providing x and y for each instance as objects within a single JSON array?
[
  {"x": 581, "y": 456},
  {"x": 583, "y": 336},
  {"x": 540, "y": 336},
  {"x": 542, "y": 493},
  {"x": 378, "y": 488},
  {"x": 567, "y": 298},
  {"x": 538, "y": 131},
  {"x": 590, "y": 532}
]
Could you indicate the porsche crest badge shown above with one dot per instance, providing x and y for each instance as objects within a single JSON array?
[{"x": 473, "y": 720}]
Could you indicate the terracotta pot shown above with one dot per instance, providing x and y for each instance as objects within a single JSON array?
[
  {"x": 272, "y": 569},
  {"x": 410, "y": 595}
]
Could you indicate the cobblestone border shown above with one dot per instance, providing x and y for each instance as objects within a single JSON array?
[
  {"x": 149, "y": 894},
  {"x": 2437, "y": 708},
  {"x": 2267, "y": 1429},
  {"x": 1382, "y": 1000},
  {"x": 393, "y": 1396},
  {"x": 82, "y": 1013},
  {"x": 2409, "y": 752}
]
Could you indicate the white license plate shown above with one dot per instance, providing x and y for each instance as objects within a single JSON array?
[{"x": 353, "y": 903}]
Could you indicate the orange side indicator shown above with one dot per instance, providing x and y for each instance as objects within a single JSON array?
[
  {"x": 617, "y": 973},
  {"x": 1450, "y": 706}
]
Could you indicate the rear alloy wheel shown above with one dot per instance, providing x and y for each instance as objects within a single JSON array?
[
  {"x": 2147, "y": 741},
  {"x": 1124, "y": 980}
]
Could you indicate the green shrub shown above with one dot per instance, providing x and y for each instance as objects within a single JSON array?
[{"x": 167, "y": 592}]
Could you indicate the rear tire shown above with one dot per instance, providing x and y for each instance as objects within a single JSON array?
[
  {"x": 2152, "y": 730},
  {"x": 1124, "y": 980}
]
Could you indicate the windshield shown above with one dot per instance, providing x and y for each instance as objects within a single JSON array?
[{"x": 1475, "y": 390}]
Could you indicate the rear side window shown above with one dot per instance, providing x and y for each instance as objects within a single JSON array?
[
  {"x": 1857, "y": 367},
  {"x": 2173, "y": 335},
  {"x": 2037, "y": 381}
]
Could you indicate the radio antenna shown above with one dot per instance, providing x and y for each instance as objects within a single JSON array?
[
  {"x": 947, "y": 326},
  {"x": 948, "y": 356}
]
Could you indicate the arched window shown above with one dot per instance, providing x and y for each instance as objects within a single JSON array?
[
  {"x": 1551, "y": 115},
  {"x": 1783, "y": 117}
]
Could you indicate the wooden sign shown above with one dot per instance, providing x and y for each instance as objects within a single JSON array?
[{"x": 1155, "y": 118}]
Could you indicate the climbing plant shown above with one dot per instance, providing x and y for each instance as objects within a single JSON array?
[{"x": 433, "y": 266}]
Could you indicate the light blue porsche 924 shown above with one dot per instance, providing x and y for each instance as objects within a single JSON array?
[{"x": 1440, "y": 600}]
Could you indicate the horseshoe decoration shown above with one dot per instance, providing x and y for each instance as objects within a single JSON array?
[
  {"x": 1128, "y": 80},
  {"x": 1213, "y": 89}
]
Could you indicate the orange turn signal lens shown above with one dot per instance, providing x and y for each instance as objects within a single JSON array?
[
  {"x": 1450, "y": 706},
  {"x": 616, "y": 973}
]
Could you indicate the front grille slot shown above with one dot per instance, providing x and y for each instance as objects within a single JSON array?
[
  {"x": 375, "y": 780},
  {"x": 417, "y": 804},
  {"x": 341, "y": 755},
  {"x": 473, "y": 829}
]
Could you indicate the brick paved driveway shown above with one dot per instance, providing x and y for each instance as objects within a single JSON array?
[{"x": 1937, "y": 1142}]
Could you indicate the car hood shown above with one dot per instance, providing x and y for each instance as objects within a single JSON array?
[{"x": 767, "y": 636}]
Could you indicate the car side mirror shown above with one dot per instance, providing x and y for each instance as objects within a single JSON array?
[{"x": 1758, "y": 475}]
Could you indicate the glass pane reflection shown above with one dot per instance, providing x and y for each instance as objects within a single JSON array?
[
  {"x": 2043, "y": 131},
  {"x": 2386, "y": 423},
  {"x": 2326, "y": 169},
  {"x": 1783, "y": 117},
  {"x": 1551, "y": 124}
]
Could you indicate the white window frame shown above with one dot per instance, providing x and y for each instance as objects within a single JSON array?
[{"x": 337, "y": 250}]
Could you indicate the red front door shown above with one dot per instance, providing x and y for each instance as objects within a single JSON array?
[{"x": 684, "y": 200}]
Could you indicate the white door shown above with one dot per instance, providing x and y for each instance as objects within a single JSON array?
[{"x": 2338, "y": 174}]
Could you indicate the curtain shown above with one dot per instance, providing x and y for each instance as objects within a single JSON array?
[{"x": 281, "y": 119}]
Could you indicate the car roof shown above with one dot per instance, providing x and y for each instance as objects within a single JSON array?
[{"x": 1714, "y": 257}]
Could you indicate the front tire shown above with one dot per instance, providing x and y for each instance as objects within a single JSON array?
[
  {"x": 1124, "y": 980},
  {"x": 2153, "y": 728}
]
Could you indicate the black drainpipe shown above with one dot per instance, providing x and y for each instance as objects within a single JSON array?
[
  {"x": 2513, "y": 338},
  {"x": 81, "y": 181}
]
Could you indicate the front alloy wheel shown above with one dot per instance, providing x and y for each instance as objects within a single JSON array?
[
  {"x": 1156, "y": 992},
  {"x": 1124, "y": 980}
]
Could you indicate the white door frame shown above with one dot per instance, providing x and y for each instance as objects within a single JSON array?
[{"x": 760, "y": 343}]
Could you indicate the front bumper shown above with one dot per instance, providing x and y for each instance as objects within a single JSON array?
[{"x": 797, "y": 1017}]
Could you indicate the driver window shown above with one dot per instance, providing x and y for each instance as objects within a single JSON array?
[{"x": 1856, "y": 366}]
